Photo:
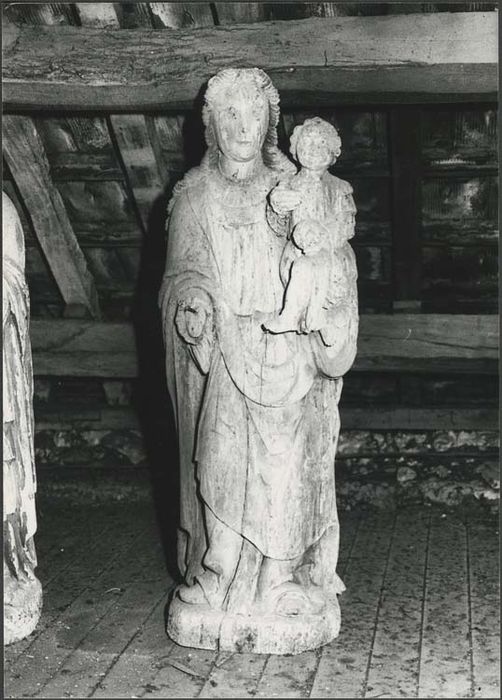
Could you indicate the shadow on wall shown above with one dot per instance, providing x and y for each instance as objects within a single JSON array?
[{"x": 151, "y": 396}]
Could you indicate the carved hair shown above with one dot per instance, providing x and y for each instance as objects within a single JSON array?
[
  {"x": 316, "y": 125},
  {"x": 241, "y": 78}
]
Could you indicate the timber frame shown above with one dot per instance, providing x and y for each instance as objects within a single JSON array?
[
  {"x": 443, "y": 57},
  {"x": 394, "y": 59}
]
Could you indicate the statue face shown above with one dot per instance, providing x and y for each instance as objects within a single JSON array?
[
  {"x": 241, "y": 121},
  {"x": 314, "y": 150}
]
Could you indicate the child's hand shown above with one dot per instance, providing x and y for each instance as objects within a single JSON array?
[{"x": 283, "y": 199}]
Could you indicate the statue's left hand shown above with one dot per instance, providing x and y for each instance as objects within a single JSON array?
[{"x": 194, "y": 318}]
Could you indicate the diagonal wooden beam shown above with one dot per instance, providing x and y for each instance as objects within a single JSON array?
[
  {"x": 442, "y": 57},
  {"x": 25, "y": 155},
  {"x": 142, "y": 160}
]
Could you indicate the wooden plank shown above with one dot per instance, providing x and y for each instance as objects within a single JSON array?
[
  {"x": 438, "y": 57},
  {"x": 142, "y": 159},
  {"x": 97, "y": 14},
  {"x": 181, "y": 674},
  {"x": 90, "y": 660},
  {"x": 175, "y": 15},
  {"x": 343, "y": 664},
  {"x": 53, "y": 13},
  {"x": 83, "y": 349},
  {"x": 445, "y": 341},
  {"x": 445, "y": 666},
  {"x": 27, "y": 161},
  {"x": 393, "y": 670},
  {"x": 133, "y": 672},
  {"x": 420, "y": 342},
  {"x": 234, "y": 676},
  {"x": 484, "y": 553},
  {"x": 426, "y": 418},
  {"x": 67, "y": 616},
  {"x": 62, "y": 530},
  {"x": 288, "y": 676}
]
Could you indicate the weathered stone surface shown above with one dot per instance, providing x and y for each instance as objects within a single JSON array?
[
  {"x": 22, "y": 590},
  {"x": 259, "y": 307}
]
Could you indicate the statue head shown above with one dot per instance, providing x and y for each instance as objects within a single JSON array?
[
  {"x": 315, "y": 143},
  {"x": 241, "y": 113}
]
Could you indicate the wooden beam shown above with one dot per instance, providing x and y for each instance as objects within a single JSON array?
[
  {"x": 174, "y": 15},
  {"x": 426, "y": 418},
  {"x": 97, "y": 14},
  {"x": 83, "y": 348},
  {"x": 25, "y": 155},
  {"x": 382, "y": 59},
  {"x": 50, "y": 417},
  {"x": 420, "y": 342}
]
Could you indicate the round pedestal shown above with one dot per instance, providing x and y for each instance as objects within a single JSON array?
[
  {"x": 201, "y": 627},
  {"x": 22, "y": 607}
]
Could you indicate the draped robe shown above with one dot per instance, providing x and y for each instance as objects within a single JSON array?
[{"x": 257, "y": 414}]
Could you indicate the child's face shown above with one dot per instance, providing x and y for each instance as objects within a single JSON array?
[{"x": 313, "y": 151}]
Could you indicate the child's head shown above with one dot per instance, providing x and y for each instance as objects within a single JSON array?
[{"x": 315, "y": 144}]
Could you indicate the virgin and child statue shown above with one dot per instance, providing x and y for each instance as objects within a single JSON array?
[{"x": 256, "y": 401}]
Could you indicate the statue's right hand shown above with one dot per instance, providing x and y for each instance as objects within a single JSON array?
[{"x": 284, "y": 199}]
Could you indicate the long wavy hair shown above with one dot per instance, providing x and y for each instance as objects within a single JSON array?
[{"x": 242, "y": 77}]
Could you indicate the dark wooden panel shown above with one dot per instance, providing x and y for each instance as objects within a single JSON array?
[
  {"x": 425, "y": 57},
  {"x": 84, "y": 134},
  {"x": 406, "y": 208},
  {"x": 459, "y": 138},
  {"x": 463, "y": 200},
  {"x": 239, "y": 12},
  {"x": 455, "y": 274},
  {"x": 42, "y": 287},
  {"x": 132, "y": 15},
  {"x": 373, "y": 263},
  {"x": 107, "y": 270},
  {"x": 421, "y": 342},
  {"x": 460, "y": 391},
  {"x": 96, "y": 202},
  {"x": 363, "y": 134}
]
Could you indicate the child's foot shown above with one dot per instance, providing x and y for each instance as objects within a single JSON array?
[{"x": 280, "y": 324}]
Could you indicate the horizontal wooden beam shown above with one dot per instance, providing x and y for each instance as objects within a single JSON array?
[
  {"x": 428, "y": 343},
  {"x": 368, "y": 418},
  {"x": 417, "y": 58}
]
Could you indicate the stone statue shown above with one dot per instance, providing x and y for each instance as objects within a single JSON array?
[
  {"x": 22, "y": 589},
  {"x": 256, "y": 412}
]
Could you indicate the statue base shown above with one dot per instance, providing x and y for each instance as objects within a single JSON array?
[
  {"x": 22, "y": 607},
  {"x": 201, "y": 627}
]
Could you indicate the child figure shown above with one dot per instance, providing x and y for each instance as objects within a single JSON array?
[{"x": 314, "y": 264}]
